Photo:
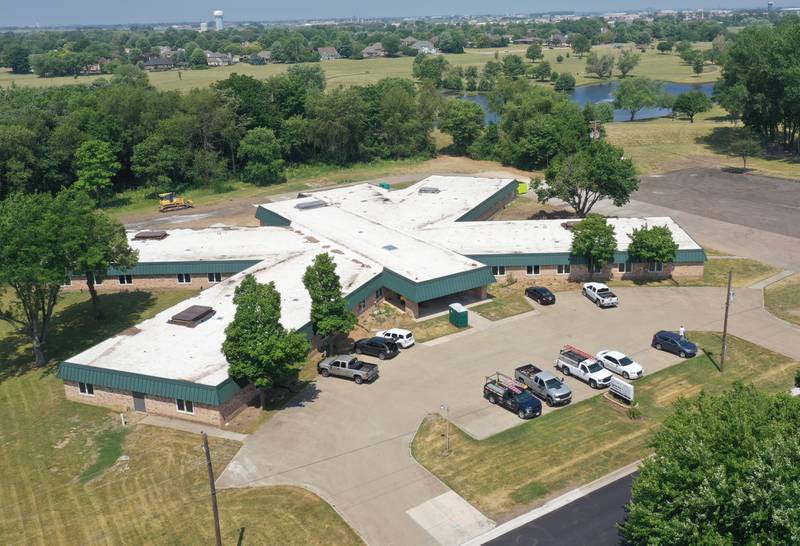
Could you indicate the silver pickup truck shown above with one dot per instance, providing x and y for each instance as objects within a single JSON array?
[
  {"x": 544, "y": 385},
  {"x": 348, "y": 366}
]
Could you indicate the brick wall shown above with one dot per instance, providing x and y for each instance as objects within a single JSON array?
[
  {"x": 157, "y": 405},
  {"x": 111, "y": 284},
  {"x": 580, "y": 273}
]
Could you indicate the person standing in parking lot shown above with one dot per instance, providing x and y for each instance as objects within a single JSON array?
[{"x": 682, "y": 332}]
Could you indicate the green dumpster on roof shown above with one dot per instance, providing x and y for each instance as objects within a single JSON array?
[{"x": 459, "y": 316}]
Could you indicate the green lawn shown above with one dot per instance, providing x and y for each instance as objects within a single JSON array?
[
  {"x": 62, "y": 480},
  {"x": 782, "y": 299},
  {"x": 664, "y": 144},
  {"x": 519, "y": 468},
  {"x": 715, "y": 273},
  {"x": 507, "y": 301},
  {"x": 346, "y": 72}
]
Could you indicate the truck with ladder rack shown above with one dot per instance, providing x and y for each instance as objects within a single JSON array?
[
  {"x": 572, "y": 361},
  {"x": 514, "y": 396}
]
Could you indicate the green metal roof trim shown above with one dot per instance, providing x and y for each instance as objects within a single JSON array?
[
  {"x": 173, "y": 268},
  {"x": 555, "y": 258},
  {"x": 479, "y": 211},
  {"x": 269, "y": 218},
  {"x": 156, "y": 386},
  {"x": 363, "y": 291},
  {"x": 436, "y": 288}
]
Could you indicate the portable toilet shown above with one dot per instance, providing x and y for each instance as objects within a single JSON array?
[
  {"x": 458, "y": 315},
  {"x": 522, "y": 188},
  {"x": 385, "y": 185}
]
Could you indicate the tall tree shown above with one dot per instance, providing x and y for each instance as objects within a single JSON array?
[
  {"x": 726, "y": 470},
  {"x": 652, "y": 244},
  {"x": 463, "y": 120},
  {"x": 593, "y": 238},
  {"x": 637, "y": 93},
  {"x": 627, "y": 61},
  {"x": 534, "y": 52},
  {"x": 261, "y": 152},
  {"x": 743, "y": 147},
  {"x": 692, "y": 103},
  {"x": 580, "y": 44},
  {"x": 96, "y": 165},
  {"x": 601, "y": 65},
  {"x": 16, "y": 57},
  {"x": 257, "y": 346},
  {"x": 330, "y": 312},
  {"x": 96, "y": 241},
  {"x": 596, "y": 171},
  {"x": 34, "y": 264}
]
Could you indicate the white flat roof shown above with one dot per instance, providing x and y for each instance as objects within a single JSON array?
[
  {"x": 156, "y": 348},
  {"x": 215, "y": 244},
  {"x": 399, "y": 251},
  {"x": 536, "y": 236}
]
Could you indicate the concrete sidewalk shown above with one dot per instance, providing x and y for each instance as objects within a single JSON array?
[{"x": 195, "y": 428}]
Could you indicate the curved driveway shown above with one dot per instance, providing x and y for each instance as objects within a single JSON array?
[{"x": 350, "y": 443}]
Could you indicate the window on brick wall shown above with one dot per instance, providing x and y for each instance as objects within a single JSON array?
[
  {"x": 184, "y": 406},
  {"x": 379, "y": 293},
  {"x": 597, "y": 268},
  {"x": 67, "y": 282},
  {"x": 562, "y": 269},
  {"x": 184, "y": 278},
  {"x": 87, "y": 389},
  {"x": 498, "y": 270},
  {"x": 656, "y": 267},
  {"x": 214, "y": 277},
  {"x": 362, "y": 305},
  {"x": 625, "y": 267},
  {"x": 126, "y": 279},
  {"x": 532, "y": 270},
  {"x": 98, "y": 280}
]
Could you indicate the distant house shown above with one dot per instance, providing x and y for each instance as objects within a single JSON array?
[
  {"x": 374, "y": 50},
  {"x": 408, "y": 41},
  {"x": 557, "y": 39},
  {"x": 92, "y": 69},
  {"x": 424, "y": 46},
  {"x": 165, "y": 51},
  {"x": 262, "y": 57},
  {"x": 158, "y": 63},
  {"x": 528, "y": 40},
  {"x": 328, "y": 54},
  {"x": 219, "y": 59}
]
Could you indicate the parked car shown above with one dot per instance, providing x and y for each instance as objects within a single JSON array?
[
  {"x": 621, "y": 364},
  {"x": 544, "y": 385},
  {"x": 377, "y": 346},
  {"x": 502, "y": 390},
  {"x": 572, "y": 361},
  {"x": 349, "y": 367},
  {"x": 674, "y": 343},
  {"x": 600, "y": 294},
  {"x": 540, "y": 295},
  {"x": 404, "y": 338}
]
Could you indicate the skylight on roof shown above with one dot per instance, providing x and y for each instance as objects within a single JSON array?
[
  {"x": 429, "y": 189},
  {"x": 389, "y": 247},
  {"x": 150, "y": 235},
  {"x": 311, "y": 204}
]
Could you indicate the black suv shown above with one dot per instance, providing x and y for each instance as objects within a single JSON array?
[
  {"x": 541, "y": 295},
  {"x": 674, "y": 343},
  {"x": 377, "y": 346}
]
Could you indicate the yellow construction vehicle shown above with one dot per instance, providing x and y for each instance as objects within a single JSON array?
[{"x": 169, "y": 201}]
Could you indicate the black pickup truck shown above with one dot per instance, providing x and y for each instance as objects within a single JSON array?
[{"x": 503, "y": 390}]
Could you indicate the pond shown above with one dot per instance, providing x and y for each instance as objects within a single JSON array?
[{"x": 603, "y": 92}]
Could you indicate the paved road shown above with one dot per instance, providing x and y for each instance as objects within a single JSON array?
[
  {"x": 350, "y": 443},
  {"x": 591, "y": 520},
  {"x": 747, "y": 215}
]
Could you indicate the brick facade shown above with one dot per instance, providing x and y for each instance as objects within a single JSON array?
[
  {"x": 580, "y": 273},
  {"x": 111, "y": 284},
  {"x": 157, "y": 405}
]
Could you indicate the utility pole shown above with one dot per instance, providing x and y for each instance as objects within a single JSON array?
[
  {"x": 217, "y": 532},
  {"x": 725, "y": 322}
]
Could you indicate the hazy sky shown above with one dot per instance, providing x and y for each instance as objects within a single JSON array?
[{"x": 88, "y": 12}]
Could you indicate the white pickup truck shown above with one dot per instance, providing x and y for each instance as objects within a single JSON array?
[
  {"x": 572, "y": 361},
  {"x": 600, "y": 294}
]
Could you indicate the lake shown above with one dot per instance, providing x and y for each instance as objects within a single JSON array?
[{"x": 602, "y": 92}]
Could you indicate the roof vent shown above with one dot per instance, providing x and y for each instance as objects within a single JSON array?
[
  {"x": 150, "y": 235},
  {"x": 389, "y": 247},
  {"x": 569, "y": 225},
  {"x": 192, "y": 316},
  {"x": 312, "y": 204},
  {"x": 429, "y": 189}
]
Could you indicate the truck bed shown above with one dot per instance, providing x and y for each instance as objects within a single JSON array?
[{"x": 528, "y": 370}]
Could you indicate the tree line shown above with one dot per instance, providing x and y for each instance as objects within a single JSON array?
[{"x": 122, "y": 133}]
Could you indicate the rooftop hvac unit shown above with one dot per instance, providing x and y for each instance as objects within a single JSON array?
[
  {"x": 192, "y": 316},
  {"x": 150, "y": 235},
  {"x": 429, "y": 189},
  {"x": 312, "y": 204}
]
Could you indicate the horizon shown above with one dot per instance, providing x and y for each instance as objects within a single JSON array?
[{"x": 93, "y": 13}]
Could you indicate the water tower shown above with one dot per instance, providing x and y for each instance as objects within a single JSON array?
[{"x": 218, "y": 24}]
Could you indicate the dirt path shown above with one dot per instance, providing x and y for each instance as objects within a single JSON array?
[{"x": 240, "y": 211}]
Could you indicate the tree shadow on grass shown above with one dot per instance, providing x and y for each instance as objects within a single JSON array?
[
  {"x": 73, "y": 330},
  {"x": 720, "y": 138}
]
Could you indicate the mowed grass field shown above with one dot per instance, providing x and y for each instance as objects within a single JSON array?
[
  {"x": 518, "y": 469},
  {"x": 62, "y": 480},
  {"x": 782, "y": 299},
  {"x": 346, "y": 72}
]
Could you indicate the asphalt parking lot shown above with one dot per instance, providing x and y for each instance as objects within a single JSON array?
[{"x": 350, "y": 443}]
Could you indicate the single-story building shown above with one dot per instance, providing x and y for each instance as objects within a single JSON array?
[
  {"x": 424, "y": 46},
  {"x": 219, "y": 59},
  {"x": 328, "y": 54},
  {"x": 418, "y": 248},
  {"x": 158, "y": 63},
  {"x": 373, "y": 51}
]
